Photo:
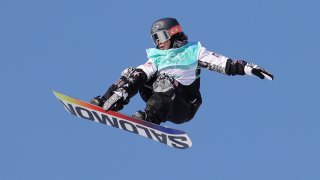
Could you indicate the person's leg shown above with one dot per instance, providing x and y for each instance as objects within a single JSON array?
[
  {"x": 160, "y": 103},
  {"x": 187, "y": 102}
]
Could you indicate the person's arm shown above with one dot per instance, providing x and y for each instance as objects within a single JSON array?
[{"x": 225, "y": 65}]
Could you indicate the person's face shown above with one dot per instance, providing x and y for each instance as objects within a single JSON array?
[{"x": 165, "y": 45}]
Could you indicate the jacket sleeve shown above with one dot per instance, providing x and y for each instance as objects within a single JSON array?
[
  {"x": 149, "y": 68},
  {"x": 219, "y": 63}
]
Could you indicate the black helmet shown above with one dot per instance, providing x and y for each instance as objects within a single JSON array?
[{"x": 167, "y": 28}]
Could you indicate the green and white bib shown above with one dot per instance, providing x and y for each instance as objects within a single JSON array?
[{"x": 180, "y": 63}]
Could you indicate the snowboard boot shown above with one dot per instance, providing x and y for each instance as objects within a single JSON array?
[
  {"x": 98, "y": 101},
  {"x": 140, "y": 115},
  {"x": 146, "y": 117}
]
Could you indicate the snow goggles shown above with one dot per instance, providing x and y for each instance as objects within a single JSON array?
[
  {"x": 160, "y": 36},
  {"x": 164, "y": 35}
]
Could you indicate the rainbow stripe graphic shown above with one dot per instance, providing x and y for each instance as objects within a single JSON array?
[{"x": 171, "y": 137}]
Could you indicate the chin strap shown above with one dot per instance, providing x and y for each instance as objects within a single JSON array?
[{"x": 178, "y": 44}]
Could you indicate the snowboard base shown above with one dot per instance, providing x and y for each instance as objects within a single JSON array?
[{"x": 168, "y": 136}]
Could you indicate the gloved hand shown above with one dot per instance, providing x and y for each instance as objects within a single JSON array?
[
  {"x": 116, "y": 101},
  {"x": 252, "y": 69}
]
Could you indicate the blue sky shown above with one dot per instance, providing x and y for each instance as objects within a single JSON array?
[{"x": 246, "y": 129}]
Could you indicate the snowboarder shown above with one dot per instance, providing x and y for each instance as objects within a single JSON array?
[{"x": 169, "y": 81}]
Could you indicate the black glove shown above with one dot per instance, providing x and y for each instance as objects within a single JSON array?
[{"x": 252, "y": 69}]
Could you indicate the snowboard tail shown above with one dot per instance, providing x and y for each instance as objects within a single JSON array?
[{"x": 168, "y": 136}]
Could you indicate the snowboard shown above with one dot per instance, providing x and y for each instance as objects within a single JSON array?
[{"x": 168, "y": 136}]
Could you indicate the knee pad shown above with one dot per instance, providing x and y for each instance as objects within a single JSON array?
[
  {"x": 128, "y": 72},
  {"x": 163, "y": 84}
]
